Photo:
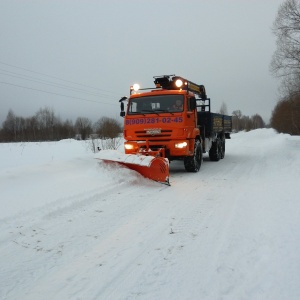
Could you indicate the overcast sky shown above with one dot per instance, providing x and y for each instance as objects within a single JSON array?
[{"x": 80, "y": 57}]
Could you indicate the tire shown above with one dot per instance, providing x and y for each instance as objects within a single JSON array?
[
  {"x": 215, "y": 150},
  {"x": 193, "y": 163},
  {"x": 223, "y": 149}
]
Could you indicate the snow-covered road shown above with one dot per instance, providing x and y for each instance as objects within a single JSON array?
[{"x": 73, "y": 228}]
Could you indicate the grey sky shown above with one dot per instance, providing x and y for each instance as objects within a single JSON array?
[{"x": 94, "y": 50}]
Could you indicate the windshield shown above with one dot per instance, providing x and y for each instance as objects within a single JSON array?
[{"x": 155, "y": 104}]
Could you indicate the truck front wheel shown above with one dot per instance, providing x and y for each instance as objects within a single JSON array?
[{"x": 193, "y": 163}]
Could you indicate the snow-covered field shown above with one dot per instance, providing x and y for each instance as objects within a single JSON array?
[{"x": 74, "y": 228}]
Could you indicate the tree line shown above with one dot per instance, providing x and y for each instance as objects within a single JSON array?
[
  {"x": 45, "y": 125},
  {"x": 241, "y": 122},
  {"x": 285, "y": 64}
]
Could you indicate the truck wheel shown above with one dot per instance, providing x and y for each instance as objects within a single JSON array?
[
  {"x": 215, "y": 150},
  {"x": 222, "y": 149},
  {"x": 193, "y": 163}
]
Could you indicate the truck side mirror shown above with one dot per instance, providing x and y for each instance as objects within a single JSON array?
[{"x": 122, "y": 113}]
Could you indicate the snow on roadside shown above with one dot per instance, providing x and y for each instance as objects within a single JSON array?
[
  {"x": 88, "y": 230},
  {"x": 39, "y": 173}
]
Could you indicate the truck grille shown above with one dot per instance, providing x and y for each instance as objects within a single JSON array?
[{"x": 143, "y": 134}]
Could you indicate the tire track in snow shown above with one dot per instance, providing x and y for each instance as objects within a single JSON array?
[
  {"x": 91, "y": 221},
  {"x": 147, "y": 240}
]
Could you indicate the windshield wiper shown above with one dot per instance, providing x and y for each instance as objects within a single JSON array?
[
  {"x": 164, "y": 110},
  {"x": 149, "y": 111}
]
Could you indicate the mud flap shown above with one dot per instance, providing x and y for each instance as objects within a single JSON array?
[{"x": 155, "y": 168}]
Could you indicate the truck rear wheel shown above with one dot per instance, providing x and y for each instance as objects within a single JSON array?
[
  {"x": 193, "y": 163},
  {"x": 223, "y": 149},
  {"x": 215, "y": 152}
]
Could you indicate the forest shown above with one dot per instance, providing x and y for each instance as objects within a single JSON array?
[{"x": 45, "y": 125}]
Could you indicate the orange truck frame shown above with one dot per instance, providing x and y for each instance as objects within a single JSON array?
[{"x": 154, "y": 125}]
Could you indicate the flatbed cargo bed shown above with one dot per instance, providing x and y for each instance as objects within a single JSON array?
[{"x": 213, "y": 123}]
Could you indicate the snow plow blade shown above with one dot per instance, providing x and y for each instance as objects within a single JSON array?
[{"x": 155, "y": 168}]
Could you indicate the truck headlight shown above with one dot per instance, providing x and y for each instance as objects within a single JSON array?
[
  {"x": 128, "y": 146},
  {"x": 181, "y": 145}
]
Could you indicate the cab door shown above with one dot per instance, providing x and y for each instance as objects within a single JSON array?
[{"x": 190, "y": 119}]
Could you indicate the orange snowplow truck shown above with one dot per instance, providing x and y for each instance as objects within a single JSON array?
[{"x": 172, "y": 122}]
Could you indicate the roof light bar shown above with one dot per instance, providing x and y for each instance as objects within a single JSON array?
[{"x": 172, "y": 82}]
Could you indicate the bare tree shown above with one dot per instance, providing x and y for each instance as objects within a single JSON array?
[
  {"x": 257, "y": 122},
  {"x": 83, "y": 127},
  {"x": 236, "y": 120},
  {"x": 67, "y": 129},
  {"x": 223, "y": 109},
  {"x": 46, "y": 121},
  {"x": 10, "y": 127},
  {"x": 286, "y": 64},
  {"x": 32, "y": 128},
  {"x": 107, "y": 128},
  {"x": 286, "y": 58},
  {"x": 286, "y": 115}
]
